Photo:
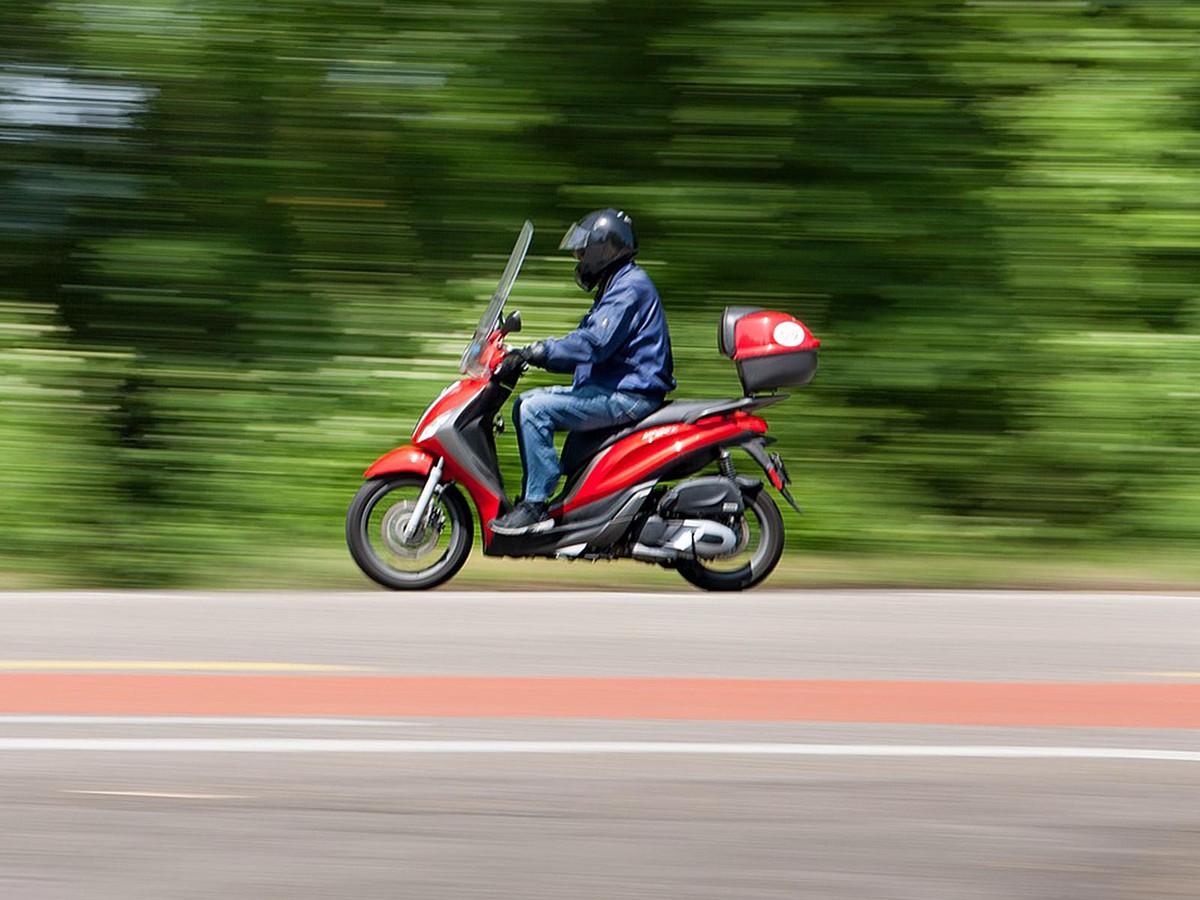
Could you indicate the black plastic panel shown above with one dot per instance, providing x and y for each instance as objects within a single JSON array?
[
  {"x": 762, "y": 373},
  {"x": 729, "y": 319},
  {"x": 711, "y": 496}
]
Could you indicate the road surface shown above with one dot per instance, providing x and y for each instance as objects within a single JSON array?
[{"x": 856, "y": 745}]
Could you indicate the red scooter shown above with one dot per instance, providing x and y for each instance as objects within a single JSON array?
[{"x": 409, "y": 526}]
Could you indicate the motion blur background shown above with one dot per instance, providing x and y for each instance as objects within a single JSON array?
[{"x": 243, "y": 242}]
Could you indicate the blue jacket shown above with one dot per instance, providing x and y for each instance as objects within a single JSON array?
[{"x": 622, "y": 343}]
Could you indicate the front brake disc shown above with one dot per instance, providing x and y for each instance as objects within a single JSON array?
[{"x": 424, "y": 538}]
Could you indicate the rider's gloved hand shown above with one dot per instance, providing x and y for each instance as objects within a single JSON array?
[
  {"x": 511, "y": 366},
  {"x": 534, "y": 354}
]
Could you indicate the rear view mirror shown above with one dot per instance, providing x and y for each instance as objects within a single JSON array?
[{"x": 512, "y": 322}]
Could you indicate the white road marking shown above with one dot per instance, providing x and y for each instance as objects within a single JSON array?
[
  {"x": 331, "y": 722},
  {"x": 304, "y": 745},
  {"x": 157, "y": 795}
]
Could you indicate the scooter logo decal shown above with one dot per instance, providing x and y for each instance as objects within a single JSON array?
[
  {"x": 655, "y": 433},
  {"x": 788, "y": 334}
]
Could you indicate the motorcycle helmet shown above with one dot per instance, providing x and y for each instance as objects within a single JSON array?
[{"x": 600, "y": 240}]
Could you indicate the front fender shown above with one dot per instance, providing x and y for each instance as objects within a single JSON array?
[{"x": 407, "y": 460}]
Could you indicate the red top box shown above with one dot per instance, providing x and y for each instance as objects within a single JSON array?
[{"x": 772, "y": 349}]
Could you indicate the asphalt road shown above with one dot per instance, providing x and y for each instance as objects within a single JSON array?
[{"x": 834, "y": 745}]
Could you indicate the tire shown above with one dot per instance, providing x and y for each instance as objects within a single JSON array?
[
  {"x": 757, "y": 559},
  {"x": 376, "y": 518}
]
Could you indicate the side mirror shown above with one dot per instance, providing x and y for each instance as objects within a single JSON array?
[{"x": 511, "y": 323}]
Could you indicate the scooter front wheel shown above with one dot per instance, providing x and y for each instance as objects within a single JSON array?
[{"x": 430, "y": 555}]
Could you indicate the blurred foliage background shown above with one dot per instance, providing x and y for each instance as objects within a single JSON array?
[{"x": 243, "y": 243}]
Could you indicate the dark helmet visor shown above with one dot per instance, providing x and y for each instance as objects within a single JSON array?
[{"x": 576, "y": 238}]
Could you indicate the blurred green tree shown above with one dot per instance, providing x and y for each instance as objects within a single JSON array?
[{"x": 242, "y": 242}]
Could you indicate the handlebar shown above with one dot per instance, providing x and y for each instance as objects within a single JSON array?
[{"x": 511, "y": 366}]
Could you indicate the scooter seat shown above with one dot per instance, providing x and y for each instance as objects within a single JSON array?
[{"x": 581, "y": 446}]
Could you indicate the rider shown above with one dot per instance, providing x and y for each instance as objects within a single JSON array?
[{"x": 620, "y": 355}]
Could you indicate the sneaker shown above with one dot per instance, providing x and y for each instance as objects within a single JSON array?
[{"x": 524, "y": 518}]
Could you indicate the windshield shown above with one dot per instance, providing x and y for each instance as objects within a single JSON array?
[{"x": 490, "y": 319}]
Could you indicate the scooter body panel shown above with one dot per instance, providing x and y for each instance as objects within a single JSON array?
[
  {"x": 646, "y": 455},
  {"x": 487, "y": 494},
  {"x": 447, "y": 403},
  {"x": 457, "y": 428},
  {"x": 403, "y": 460}
]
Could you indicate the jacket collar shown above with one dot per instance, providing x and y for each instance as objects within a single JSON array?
[{"x": 609, "y": 277}]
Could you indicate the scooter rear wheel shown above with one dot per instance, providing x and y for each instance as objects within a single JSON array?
[
  {"x": 374, "y": 533},
  {"x": 761, "y": 549}
]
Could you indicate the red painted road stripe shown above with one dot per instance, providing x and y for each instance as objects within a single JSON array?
[{"x": 1124, "y": 705}]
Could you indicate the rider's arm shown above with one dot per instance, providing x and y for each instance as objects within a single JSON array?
[{"x": 604, "y": 331}]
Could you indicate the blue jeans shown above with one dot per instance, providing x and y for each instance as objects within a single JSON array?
[{"x": 537, "y": 414}]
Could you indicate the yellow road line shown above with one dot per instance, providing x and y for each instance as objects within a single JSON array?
[{"x": 169, "y": 665}]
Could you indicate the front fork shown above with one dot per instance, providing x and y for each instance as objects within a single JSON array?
[
  {"x": 772, "y": 464},
  {"x": 417, "y": 520}
]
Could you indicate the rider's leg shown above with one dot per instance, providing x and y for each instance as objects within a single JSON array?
[
  {"x": 542, "y": 412},
  {"x": 516, "y": 422},
  {"x": 539, "y": 413}
]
